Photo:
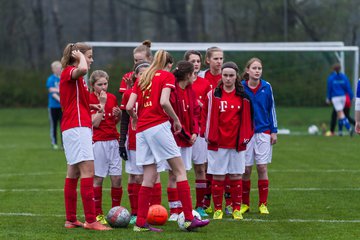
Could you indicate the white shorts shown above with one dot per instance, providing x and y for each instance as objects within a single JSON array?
[
  {"x": 107, "y": 159},
  {"x": 226, "y": 161},
  {"x": 78, "y": 145},
  {"x": 130, "y": 164},
  {"x": 338, "y": 102},
  {"x": 199, "y": 151},
  {"x": 186, "y": 153},
  {"x": 258, "y": 150},
  {"x": 157, "y": 144}
]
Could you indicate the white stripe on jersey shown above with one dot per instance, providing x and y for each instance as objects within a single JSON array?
[{"x": 357, "y": 104}]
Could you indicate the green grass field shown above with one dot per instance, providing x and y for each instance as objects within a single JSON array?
[{"x": 314, "y": 186}]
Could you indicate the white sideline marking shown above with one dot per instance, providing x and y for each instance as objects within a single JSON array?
[
  {"x": 253, "y": 189},
  {"x": 10, "y": 214}
]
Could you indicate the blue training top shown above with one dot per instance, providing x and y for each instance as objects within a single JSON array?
[
  {"x": 338, "y": 85},
  {"x": 52, "y": 81},
  {"x": 264, "y": 107}
]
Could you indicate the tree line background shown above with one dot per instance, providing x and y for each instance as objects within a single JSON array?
[{"x": 33, "y": 33}]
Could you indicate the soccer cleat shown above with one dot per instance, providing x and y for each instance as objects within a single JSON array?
[
  {"x": 75, "y": 224},
  {"x": 96, "y": 226},
  {"x": 133, "y": 219},
  {"x": 228, "y": 210},
  {"x": 195, "y": 223},
  {"x": 146, "y": 228},
  {"x": 244, "y": 208},
  {"x": 55, "y": 147},
  {"x": 101, "y": 219},
  {"x": 201, "y": 212},
  {"x": 218, "y": 215},
  {"x": 209, "y": 210},
  {"x": 237, "y": 215},
  {"x": 263, "y": 209},
  {"x": 173, "y": 217}
]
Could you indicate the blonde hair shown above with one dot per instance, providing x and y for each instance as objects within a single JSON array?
[
  {"x": 67, "y": 59},
  {"x": 55, "y": 64},
  {"x": 95, "y": 76},
  {"x": 209, "y": 53},
  {"x": 161, "y": 59}
]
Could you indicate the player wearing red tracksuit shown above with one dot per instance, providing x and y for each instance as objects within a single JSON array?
[
  {"x": 184, "y": 102},
  {"x": 227, "y": 126}
]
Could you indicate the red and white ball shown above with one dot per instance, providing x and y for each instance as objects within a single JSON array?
[{"x": 118, "y": 217}]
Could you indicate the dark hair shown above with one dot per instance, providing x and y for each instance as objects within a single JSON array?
[
  {"x": 182, "y": 70},
  {"x": 337, "y": 67},
  {"x": 67, "y": 59},
  {"x": 239, "y": 88},
  {"x": 137, "y": 67},
  {"x": 245, "y": 75},
  {"x": 192, "y": 52}
]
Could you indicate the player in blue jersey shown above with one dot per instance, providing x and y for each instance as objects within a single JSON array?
[
  {"x": 55, "y": 113},
  {"x": 357, "y": 109},
  {"x": 338, "y": 85},
  {"x": 259, "y": 149}
]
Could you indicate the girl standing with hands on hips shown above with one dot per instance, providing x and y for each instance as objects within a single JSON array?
[
  {"x": 259, "y": 149},
  {"x": 154, "y": 138},
  {"x": 77, "y": 137}
]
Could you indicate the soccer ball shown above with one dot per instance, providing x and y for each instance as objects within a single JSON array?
[
  {"x": 157, "y": 215},
  {"x": 181, "y": 219},
  {"x": 118, "y": 217},
  {"x": 313, "y": 129}
]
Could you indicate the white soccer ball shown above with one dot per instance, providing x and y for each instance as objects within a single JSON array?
[
  {"x": 118, "y": 217},
  {"x": 181, "y": 219},
  {"x": 313, "y": 129}
]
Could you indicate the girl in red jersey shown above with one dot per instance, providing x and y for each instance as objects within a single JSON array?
[
  {"x": 227, "y": 126},
  {"x": 184, "y": 102},
  {"x": 140, "y": 53},
  {"x": 154, "y": 138},
  {"x": 201, "y": 87},
  {"x": 77, "y": 137},
  {"x": 105, "y": 142},
  {"x": 214, "y": 58},
  {"x": 128, "y": 144}
]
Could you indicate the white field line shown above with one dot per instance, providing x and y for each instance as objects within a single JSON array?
[
  {"x": 19, "y": 190},
  {"x": 12, "y": 214},
  {"x": 270, "y": 170}
]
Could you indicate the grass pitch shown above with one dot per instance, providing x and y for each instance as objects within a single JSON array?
[{"x": 314, "y": 186}]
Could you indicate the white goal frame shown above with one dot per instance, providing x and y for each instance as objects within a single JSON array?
[{"x": 337, "y": 47}]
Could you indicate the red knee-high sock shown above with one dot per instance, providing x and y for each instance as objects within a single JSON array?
[
  {"x": 156, "y": 194},
  {"x": 217, "y": 191},
  {"x": 263, "y": 186},
  {"x": 116, "y": 195},
  {"x": 87, "y": 196},
  {"x": 185, "y": 198},
  {"x": 227, "y": 189},
  {"x": 143, "y": 205},
  {"x": 246, "y": 192},
  {"x": 200, "y": 187},
  {"x": 70, "y": 196},
  {"x": 174, "y": 201},
  {"x": 207, "y": 197},
  {"x": 236, "y": 193},
  {"x": 98, "y": 200}
]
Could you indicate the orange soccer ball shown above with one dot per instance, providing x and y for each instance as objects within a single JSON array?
[{"x": 157, "y": 215}]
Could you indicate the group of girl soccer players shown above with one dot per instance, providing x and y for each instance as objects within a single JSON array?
[{"x": 173, "y": 117}]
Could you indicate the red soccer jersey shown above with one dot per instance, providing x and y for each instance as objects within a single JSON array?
[
  {"x": 213, "y": 79},
  {"x": 123, "y": 86},
  {"x": 150, "y": 111},
  {"x": 74, "y": 100},
  {"x": 229, "y": 119},
  {"x": 107, "y": 128},
  {"x": 201, "y": 87},
  {"x": 131, "y": 133}
]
